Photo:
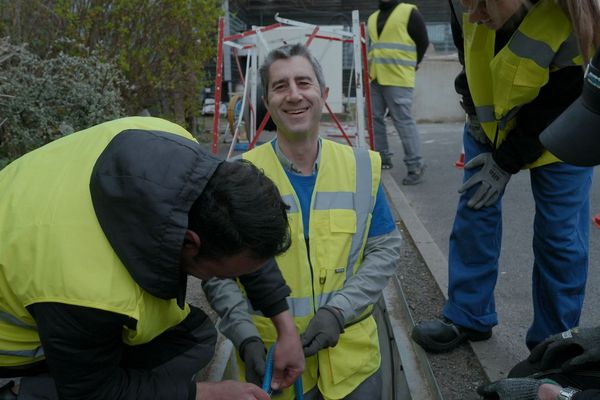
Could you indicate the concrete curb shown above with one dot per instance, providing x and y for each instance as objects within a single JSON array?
[{"x": 437, "y": 264}]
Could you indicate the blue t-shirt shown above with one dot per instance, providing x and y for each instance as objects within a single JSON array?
[{"x": 381, "y": 223}]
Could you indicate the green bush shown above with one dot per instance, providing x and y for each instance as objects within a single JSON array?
[{"x": 44, "y": 99}]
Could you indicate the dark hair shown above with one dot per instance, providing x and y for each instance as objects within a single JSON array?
[
  {"x": 240, "y": 209},
  {"x": 286, "y": 52}
]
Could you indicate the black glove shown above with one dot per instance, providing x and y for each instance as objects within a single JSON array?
[
  {"x": 322, "y": 331},
  {"x": 568, "y": 350},
  {"x": 252, "y": 352},
  {"x": 511, "y": 389}
]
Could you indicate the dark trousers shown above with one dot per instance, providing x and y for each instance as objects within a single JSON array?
[{"x": 180, "y": 351}]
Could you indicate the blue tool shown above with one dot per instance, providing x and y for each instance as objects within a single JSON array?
[{"x": 269, "y": 375}]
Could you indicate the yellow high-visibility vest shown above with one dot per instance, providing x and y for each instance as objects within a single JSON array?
[
  {"x": 500, "y": 84},
  {"x": 52, "y": 248},
  {"x": 340, "y": 215},
  {"x": 393, "y": 55}
]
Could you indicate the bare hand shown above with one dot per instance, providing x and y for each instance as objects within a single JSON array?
[
  {"x": 229, "y": 390},
  {"x": 548, "y": 391},
  {"x": 288, "y": 358}
]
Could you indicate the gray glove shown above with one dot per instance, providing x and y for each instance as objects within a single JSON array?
[
  {"x": 252, "y": 352},
  {"x": 568, "y": 350},
  {"x": 492, "y": 180},
  {"x": 322, "y": 331},
  {"x": 511, "y": 389}
]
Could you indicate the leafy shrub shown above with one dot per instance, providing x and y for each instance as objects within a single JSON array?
[{"x": 44, "y": 99}]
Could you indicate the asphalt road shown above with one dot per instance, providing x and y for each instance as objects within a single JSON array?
[{"x": 434, "y": 202}]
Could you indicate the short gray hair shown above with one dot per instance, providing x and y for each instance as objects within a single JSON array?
[{"x": 286, "y": 52}]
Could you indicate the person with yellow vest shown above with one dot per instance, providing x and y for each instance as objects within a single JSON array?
[
  {"x": 98, "y": 233},
  {"x": 566, "y": 366},
  {"x": 345, "y": 244},
  {"x": 398, "y": 41},
  {"x": 523, "y": 67}
]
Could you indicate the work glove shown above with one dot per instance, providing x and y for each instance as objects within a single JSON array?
[
  {"x": 322, "y": 331},
  {"x": 511, "y": 389},
  {"x": 568, "y": 350},
  {"x": 252, "y": 351},
  {"x": 492, "y": 180}
]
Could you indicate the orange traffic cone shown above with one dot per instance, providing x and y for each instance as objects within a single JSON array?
[
  {"x": 596, "y": 220},
  {"x": 460, "y": 163}
]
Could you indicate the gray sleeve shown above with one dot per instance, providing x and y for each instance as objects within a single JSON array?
[
  {"x": 227, "y": 300},
  {"x": 381, "y": 258}
]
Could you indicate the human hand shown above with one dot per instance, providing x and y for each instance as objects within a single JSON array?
[
  {"x": 568, "y": 350},
  {"x": 511, "y": 389},
  {"x": 252, "y": 352},
  {"x": 492, "y": 180},
  {"x": 548, "y": 391},
  {"x": 288, "y": 360},
  {"x": 322, "y": 331},
  {"x": 229, "y": 390}
]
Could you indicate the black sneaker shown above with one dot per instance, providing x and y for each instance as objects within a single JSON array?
[
  {"x": 386, "y": 162},
  {"x": 414, "y": 177},
  {"x": 440, "y": 335}
]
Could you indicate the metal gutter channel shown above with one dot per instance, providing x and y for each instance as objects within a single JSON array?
[
  {"x": 411, "y": 364},
  {"x": 415, "y": 365}
]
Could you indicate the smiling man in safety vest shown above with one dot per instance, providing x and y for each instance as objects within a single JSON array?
[{"x": 345, "y": 245}]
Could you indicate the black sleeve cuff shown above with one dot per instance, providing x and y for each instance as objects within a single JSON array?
[
  {"x": 517, "y": 150},
  {"x": 276, "y": 308},
  {"x": 587, "y": 395},
  {"x": 266, "y": 289}
]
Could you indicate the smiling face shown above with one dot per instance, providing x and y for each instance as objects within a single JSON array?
[
  {"x": 492, "y": 13},
  {"x": 294, "y": 98}
]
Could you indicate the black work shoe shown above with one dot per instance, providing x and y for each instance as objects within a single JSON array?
[
  {"x": 440, "y": 335},
  {"x": 386, "y": 161},
  {"x": 414, "y": 177}
]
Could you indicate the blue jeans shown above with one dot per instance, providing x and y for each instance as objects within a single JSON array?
[
  {"x": 399, "y": 101},
  {"x": 560, "y": 248}
]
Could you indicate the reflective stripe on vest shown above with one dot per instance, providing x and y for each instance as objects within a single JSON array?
[
  {"x": 291, "y": 203},
  {"x": 393, "y": 46},
  {"x": 543, "y": 42},
  {"x": 29, "y": 354},
  {"x": 393, "y": 54},
  {"x": 12, "y": 320},
  {"x": 363, "y": 205}
]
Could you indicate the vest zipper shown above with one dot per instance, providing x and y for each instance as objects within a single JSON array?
[{"x": 312, "y": 273}]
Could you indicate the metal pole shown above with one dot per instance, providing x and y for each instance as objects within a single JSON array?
[
  {"x": 358, "y": 79},
  {"x": 253, "y": 81},
  {"x": 363, "y": 47},
  {"x": 218, "y": 84}
]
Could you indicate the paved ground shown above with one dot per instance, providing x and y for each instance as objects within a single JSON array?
[{"x": 434, "y": 204}]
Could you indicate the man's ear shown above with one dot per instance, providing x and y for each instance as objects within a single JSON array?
[
  {"x": 191, "y": 243},
  {"x": 325, "y": 93}
]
